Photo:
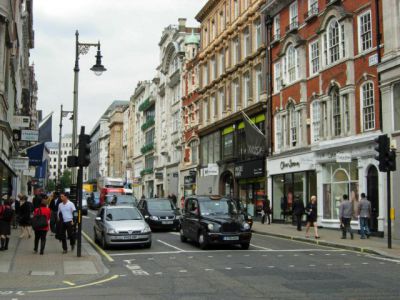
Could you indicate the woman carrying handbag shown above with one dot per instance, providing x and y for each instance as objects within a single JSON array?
[{"x": 39, "y": 215}]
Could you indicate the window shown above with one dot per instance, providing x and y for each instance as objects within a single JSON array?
[
  {"x": 227, "y": 145},
  {"x": 346, "y": 112},
  {"x": 314, "y": 58},
  {"x": 246, "y": 4},
  {"x": 221, "y": 62},
  {"x": 293, "y": 119},
  {"x": 246, "y": 89},
  {"x": 213, "y": 107},
  {"x": 291, "y": 64},
  {"x": 316, "y": 121},
  {"x": 259, "y": 87},
  {"x": 149, "y": 162},
  {"x": 150, "y": 136},
  {"x": 293, "y": 15},
  {"x": 277, "y": 77},
  {"x": 235, "y": 95},
  {"x": 210, "y": 148},
  {"x": 336, "y": 112},
  {"x": 277, "y": 28},
  {"x": 221, "y": 96},
  {"x": 396, "y": 106},
  {"x": 236, "y": 50},
  {"x": 312, "y": 7},
  {"x": 193, "y": 150},
  {"x": 205, "y": 37},
  {"x": 214, "y": 29},
  {"x": 333, "y": 33},
  {"x": 364, "y": 32},
  {"x": 236, "y": 8},
  {"x": 368, "y": 103},
  {"x": 221, "y": 20},
  {"x": 278, "y": 132},
  {"x": 257, "y": 26},
  {"x": 205, "y": 111},
  {"x": 213, "y": 68},
  {"x": 205, "y": 75},
  {"x": 246, "y": 40}
]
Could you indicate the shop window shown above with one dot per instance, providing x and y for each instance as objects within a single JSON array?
[
  {"x": 227, "y": 145},
  {"x": 396, "y": 106}
]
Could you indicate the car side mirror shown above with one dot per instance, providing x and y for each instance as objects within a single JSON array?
[
  {"x": 98, "y": 219},
  {"x": 146, "y": 217}
]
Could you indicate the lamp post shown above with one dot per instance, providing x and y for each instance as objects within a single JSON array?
[
  {"x": 63, "y": 114},
  {"x": 98, "y": 69}
]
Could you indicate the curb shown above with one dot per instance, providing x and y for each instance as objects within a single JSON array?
[{"x": 326, "y": 243}]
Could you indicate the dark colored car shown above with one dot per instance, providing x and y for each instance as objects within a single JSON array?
[
  {"x": 160, "y": 213},
  {"x": 211, "y": 220},
  {"x": 242, "y": 209},
  {"x": 94, "y": 200},
  {"x": 84, "y": 206},
  {"x": 119, "y": 200}
]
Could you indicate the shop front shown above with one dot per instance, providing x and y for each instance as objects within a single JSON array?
[
  {"x": 189, "y": 183},
  {"x": 290, "y": 177},
  {"x": 250, "y": 178}
]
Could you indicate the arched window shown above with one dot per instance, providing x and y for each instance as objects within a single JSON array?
[
  {"x": 291, "y": 64},
  {"x": 368, "y": 106},
  {"x": 333, "y": 38},
  {"x": 336, "y": 112},
  {"x": 194, "y": 150}
]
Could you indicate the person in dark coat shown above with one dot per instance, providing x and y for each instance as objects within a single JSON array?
[
  {"x": 40, "y": 233},
  {"x": 311, "y": 211},
  {"x": 266, "y": 211},
  {"x": 174, "y": 199},
  {"x": 5, "y": 224},
  {"x": 24, "y": 217},
  {"x": 54, "y": 202},
  {"x": 37, "y": 200},
  {"x": 298, "y": 211}
]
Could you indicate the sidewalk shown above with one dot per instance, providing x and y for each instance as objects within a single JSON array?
[
  {"x": 331, "y": 237},
  {"x": 21, "y": 268}
]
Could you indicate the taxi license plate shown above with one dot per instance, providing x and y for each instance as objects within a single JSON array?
[
  {"x": 130, "y": 237},
  {"x": 167, "y": 222},
  {"x": 231, "y": 238}
]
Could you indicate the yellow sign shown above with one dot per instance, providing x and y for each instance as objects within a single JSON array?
[{"x": 392, "y": 214}]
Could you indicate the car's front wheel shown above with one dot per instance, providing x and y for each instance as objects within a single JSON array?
[
  {"x": 245, "y": 246},
  {"x": 147, "y": 245},
  {"x": 104, "y": 244},
  {"x": 202, "y": 240},
  {"x": 183, "y": 237}
]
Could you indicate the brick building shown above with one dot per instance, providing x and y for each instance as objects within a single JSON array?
[{"x": 325, "y": 105}]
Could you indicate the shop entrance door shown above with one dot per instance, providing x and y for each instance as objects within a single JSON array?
[{"x": 373, "y": 196}]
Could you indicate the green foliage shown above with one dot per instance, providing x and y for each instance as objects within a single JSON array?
[
  {"x": 150, "y": 122},
  {"x": 51, "y": 186},
  {"x": 66, "y": 179},
  {"x": 146, "y": 171},
  {"x": 147, "y": 148}
]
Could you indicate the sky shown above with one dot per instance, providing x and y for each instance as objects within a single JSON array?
[{"x": 128, "y": 31}]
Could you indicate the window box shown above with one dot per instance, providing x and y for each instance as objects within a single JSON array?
[
  {"x": 146, "y": 171},
  {"x": 145, "y": 105},
  {"x": 150, "y": 122},
  {"x": 147, "y": 148}
]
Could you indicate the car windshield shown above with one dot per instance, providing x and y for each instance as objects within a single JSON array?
[
  {"x": 122, "y": 214},
  {"x": 217, "y": 207},
  {"x": 121, "y": 200},
  {"x": 160, "y": 205}
]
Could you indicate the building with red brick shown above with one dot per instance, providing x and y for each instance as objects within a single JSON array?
[{"x": 325, "y": 105}]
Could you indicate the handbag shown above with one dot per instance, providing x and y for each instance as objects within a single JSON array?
[{"x": 39, "y": 221}]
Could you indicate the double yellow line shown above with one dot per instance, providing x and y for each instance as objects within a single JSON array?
[{"x": 101, "y": 251}]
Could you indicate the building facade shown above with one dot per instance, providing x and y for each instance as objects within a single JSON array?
[
  {"x": 231, "y": 64},
  {"x": 66, "y": 145},
  {"x": 115, "y": 163},
  {"x": 325, "y": 105}
]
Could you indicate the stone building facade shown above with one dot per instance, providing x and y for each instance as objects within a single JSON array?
[{"x": 116, "y": 138}]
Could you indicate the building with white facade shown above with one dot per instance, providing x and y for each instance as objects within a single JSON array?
[{"x": 66, "y": 145}]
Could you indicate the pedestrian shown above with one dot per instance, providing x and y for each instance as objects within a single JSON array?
[
  {"x": 345, "y": 215},
  {"x": 143, "y": 197},
  {"x": 265, "y": 211},
  {"x": 37, "y": 200},
  {"x": 174, "y": 199},
  {"x": 298, "y": 211},
  {"x": 40, "y": 233},
  {"x": 311, "y": 211},
  {"x": 54, "y": 202},
  {"x": 66, "y": 209},
  {"x": 6, "y": 215},
  {"x": 364, "y": 213},
  {"x": 24, "y": 218},
  {"x": 17, "y": 205}
]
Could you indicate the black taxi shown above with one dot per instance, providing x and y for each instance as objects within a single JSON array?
[{"x": 211, "y": 220}]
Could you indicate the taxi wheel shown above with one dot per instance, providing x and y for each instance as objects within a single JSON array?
[
  {"x": 147, "y": 245},
  {"x": 202, "y": 240},
  {"x": 183, "y": 238},
  {"x": 95, "y": 236},
  {"x": 245, "y": 246}
]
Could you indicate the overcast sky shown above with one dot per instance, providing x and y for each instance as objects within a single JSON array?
[{"x": 129, "y": 32}]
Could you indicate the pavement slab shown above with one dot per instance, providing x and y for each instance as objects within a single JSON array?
[{"x": 79, "y": 268}]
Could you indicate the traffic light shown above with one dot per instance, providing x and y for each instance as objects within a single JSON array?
[
  {"x": 391, "y": 160},
  {"x": 382, "y": 148},
  {"x": 84, "y": 150}
]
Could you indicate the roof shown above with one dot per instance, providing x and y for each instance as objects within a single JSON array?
[{"x": 192, "y": 39}]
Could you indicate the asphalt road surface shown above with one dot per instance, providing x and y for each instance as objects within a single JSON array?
[{"x": 272, "y": 268}]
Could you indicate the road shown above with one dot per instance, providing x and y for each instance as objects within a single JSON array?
[{"x": 272, "y": 268}]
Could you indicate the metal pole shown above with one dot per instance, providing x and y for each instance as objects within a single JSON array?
[
  {"x": 389, "y": 221},
  {"x": 59, "y": 149},
  {"x": 79, "y": 201},
  {"x": 75, "y": 108}
]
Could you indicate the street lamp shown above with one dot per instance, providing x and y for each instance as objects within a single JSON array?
[
  {"x": 63, "y": 114},
  {"x": 98, "y": 69}
]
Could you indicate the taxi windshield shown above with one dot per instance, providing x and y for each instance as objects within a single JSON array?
[{"x": 217, "y": 207}]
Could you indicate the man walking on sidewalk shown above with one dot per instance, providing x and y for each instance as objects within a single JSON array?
[
  {"x": 298, "y": 211},
  {"x": 364, "y": 212},
  {"x": 345, "y": 215},
  {"x": 66, "y": 208}
]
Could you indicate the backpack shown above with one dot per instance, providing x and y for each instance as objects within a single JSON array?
[{"x": 8, "y": 214}]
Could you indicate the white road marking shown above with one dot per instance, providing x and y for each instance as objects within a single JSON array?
[
  {"x": 172, "y": 246},
  {"x": 150, "y": 258},
  {"x": 384, "y": 258},
  {"x": 295, "y": 255},
  {"x": 311, "y": 265},
  {"x": 228, "y": 268},
  {"x": 248, "y": 267},
  {"x": 381, "y": 263},
  {"x": 280, "y": 255},
  {"x": 271, "y": 267},
  {"x": 86, "y": 217},
  {"x": 329, "y": 265},
  {"x": 327, "y": 254},
  {"x": 210, "y": 256},
  {"x": 365, "y": 263},
  {"x": 229, "y": 255},
  {"x": 208, "y": 270},
  {"x": 259, "y": 247},
  {"x": 343, "y": 254},
  {"x": 291, "y": 266},
  {"x": 246, "y": 255},
  {"x": 175, "y": 233},
  {"x": 347, "y": 264},
  {"x": 92, "y": 213},
  {"x": 182, "y": 271},
  {"x": 137, "y": 270},
  {"x": 144, "y": 253},
  {"x": 311, "y": 254},
  {"x": 158, "y": 273},
  {"x": 190, "y": 257}
]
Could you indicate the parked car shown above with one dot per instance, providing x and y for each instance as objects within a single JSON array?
[
  {"x": 84, "y": 206},
  {"x": 127, "y": 200},
  {"x": 121, "y": 225},
  {"x": 210, "y": 220},
  {"x": 94, "y": 200},
  {"x": 160, "y": 213},
  {"x": 242, "y": 210}
]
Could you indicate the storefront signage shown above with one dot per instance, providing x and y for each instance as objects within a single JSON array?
[
  {"x": 21, "y": 121},
  {"x": 373, "y": 60},
  {"x": 211, "y": 170},
  {"x": 20, "y": 163},
  {"x": 136, "y": 181},
  {"x": 343, "y": 157},
  {"x": 250, "y": 169},
  {"x": 159, "y": 175},
  {"x": 289, "y": 164},
  {"x": 192, "y": 173},
  {"x": 29, "y": 135}
]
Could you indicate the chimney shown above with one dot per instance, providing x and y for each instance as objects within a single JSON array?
[{"x": 182, "y": 24}]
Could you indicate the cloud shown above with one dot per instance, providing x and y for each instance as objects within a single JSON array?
[{"x": 129, "y": 32}]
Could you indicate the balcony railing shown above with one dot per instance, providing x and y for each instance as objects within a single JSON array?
[
  {"x": 146, "y": 171},
  {"x": 276, "y": 37},
  {"x": 313, "y": 12},
  {"x": 147, "y": 148},
  {"x": 329, "y": 2},
  {"x": 150, "y": 122},
  {"x": 146, "y": 104},
  {"x": 292, "y": 26}
]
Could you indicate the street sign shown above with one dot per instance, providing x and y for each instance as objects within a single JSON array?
[
  {"x": 30, "y": 135},
  {"x": 21, "y": 121},
  {"x": 20, "y": 163}
]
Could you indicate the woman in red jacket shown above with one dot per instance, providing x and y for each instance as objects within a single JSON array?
[{"x": 40, "y": 233}]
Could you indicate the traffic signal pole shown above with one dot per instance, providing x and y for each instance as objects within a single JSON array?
[
  {"x": 389, "y": 207},
  {"x": 79, "y": 201}
]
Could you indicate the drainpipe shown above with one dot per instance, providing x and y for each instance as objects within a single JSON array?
[
  {"x": 268, "y": 26},
  {"x": 378, "y": 50}
]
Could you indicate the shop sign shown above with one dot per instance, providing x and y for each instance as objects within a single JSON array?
[
  {"x": 159, "y": 175},
  {"x": 211, "y": 170},
  {"x": 29, "y": 172},
  {"x": 249, "y": 169},
  {"x": 21, "y": 121},
  {"x": 30, "y": 135},
  {"x": 20, "y": 163},
  {"x": 343, "y": 157},
  {"x": 289, "y": 164},
  {"x": 136, "y": 181}
]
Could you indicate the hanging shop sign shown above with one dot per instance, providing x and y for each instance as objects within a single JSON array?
[
  {"x": 20, "y": 163},
  {"x": 21, "y": 121},
  {"x": 249, "y": 169},
  {"x": 30, "y": 135}
]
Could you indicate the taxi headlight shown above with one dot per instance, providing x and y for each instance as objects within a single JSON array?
[
  {"x": 146, "y": 229},
  {"x": 154, "y": 218},
  {"x": 210, "y": 227},
  {"x": 246, "y": 226},
  {"x": 111, "y": 231}
]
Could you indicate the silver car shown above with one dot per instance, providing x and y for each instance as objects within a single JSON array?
[{"x": 121, "y": 225}]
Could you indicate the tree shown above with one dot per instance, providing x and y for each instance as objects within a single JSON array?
[
  {"x": 65, "y": 179},
  {"x": 51, "y": 186}
]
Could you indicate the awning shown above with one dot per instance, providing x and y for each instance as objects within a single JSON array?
[{"x": 35, "y": 154}]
